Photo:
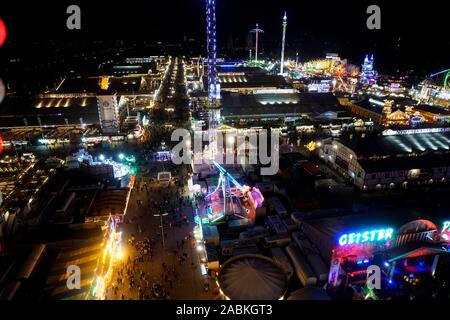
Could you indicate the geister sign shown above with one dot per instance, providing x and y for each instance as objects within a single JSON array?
[{"x": 377, "y": 235}]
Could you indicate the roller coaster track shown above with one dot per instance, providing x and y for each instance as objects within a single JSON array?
[{"x": 446, "y": 77}]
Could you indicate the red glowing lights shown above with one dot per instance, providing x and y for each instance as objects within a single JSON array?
[{"x": 2, "y": 32}]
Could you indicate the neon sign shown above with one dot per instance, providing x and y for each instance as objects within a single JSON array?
[{"x": 377, "y": 235}]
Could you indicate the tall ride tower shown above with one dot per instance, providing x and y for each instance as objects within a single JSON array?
[
  {"x": 283, "y": 42},
  {"x": 211, "y": 47},
  {"x": 213, "y": 85},
  {"x": 256, "y": 31}
]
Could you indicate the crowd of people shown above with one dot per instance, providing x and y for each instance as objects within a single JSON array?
[{"x": 153, "y": 270}]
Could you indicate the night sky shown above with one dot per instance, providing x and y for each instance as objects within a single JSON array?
[{"x": 411, "y": 38}]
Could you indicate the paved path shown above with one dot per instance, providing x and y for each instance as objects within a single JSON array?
[{"x": 185, "y": 280}]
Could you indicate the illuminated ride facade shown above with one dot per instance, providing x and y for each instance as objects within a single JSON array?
[
  {"x": 355, "y": 251},
  {"x": 415, "y": 252}
]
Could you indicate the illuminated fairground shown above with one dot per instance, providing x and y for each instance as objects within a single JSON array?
[{"x": 326, "y": 67}]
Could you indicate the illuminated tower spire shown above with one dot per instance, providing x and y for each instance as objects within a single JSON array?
[
  {"x": 256, "y": 31},
  {"x": 211, "y": 46},
  {"x": 283, "y": 42},
  {"x": 213, "y": 85}
]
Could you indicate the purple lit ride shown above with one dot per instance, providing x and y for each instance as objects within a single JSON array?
[{"x": 234, "y": 198}]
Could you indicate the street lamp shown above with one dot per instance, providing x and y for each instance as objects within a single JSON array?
[{"x": 162, "y": 229}]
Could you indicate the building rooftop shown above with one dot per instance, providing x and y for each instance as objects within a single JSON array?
[
  {"x": 17, "y": 266},
  {"x": 109, "y": 202},
  {"x": 406, "y": 163},
  {"x": 223, "y": 68},
  {"x": 432, "y": 109},
  {"x": 257, "y": 105},
  {"x": 251, "y": 80},
  {"x": 240, "y": 77},
  {"x": 390, "y": 145},
  {"x": 19, "y": 112},
  {"x": 93, "y": 85},
  {"x": 334, "y": 226},
  {"x": 366, "y": 104}
]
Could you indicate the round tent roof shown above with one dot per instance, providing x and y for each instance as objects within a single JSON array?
[
  {"x": 417, "y": 226},
  {"x": 309, "y": 293},
  {"x": 252, "y": 277}
]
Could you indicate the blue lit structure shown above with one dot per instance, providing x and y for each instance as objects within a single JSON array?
[
  {"x": 368, "y": 74},
  {"x": 211, "y": 47},
  {"x": 213, "y": 85}
]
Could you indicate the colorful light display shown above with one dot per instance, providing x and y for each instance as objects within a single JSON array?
[{"x": 112, "y": 251}]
